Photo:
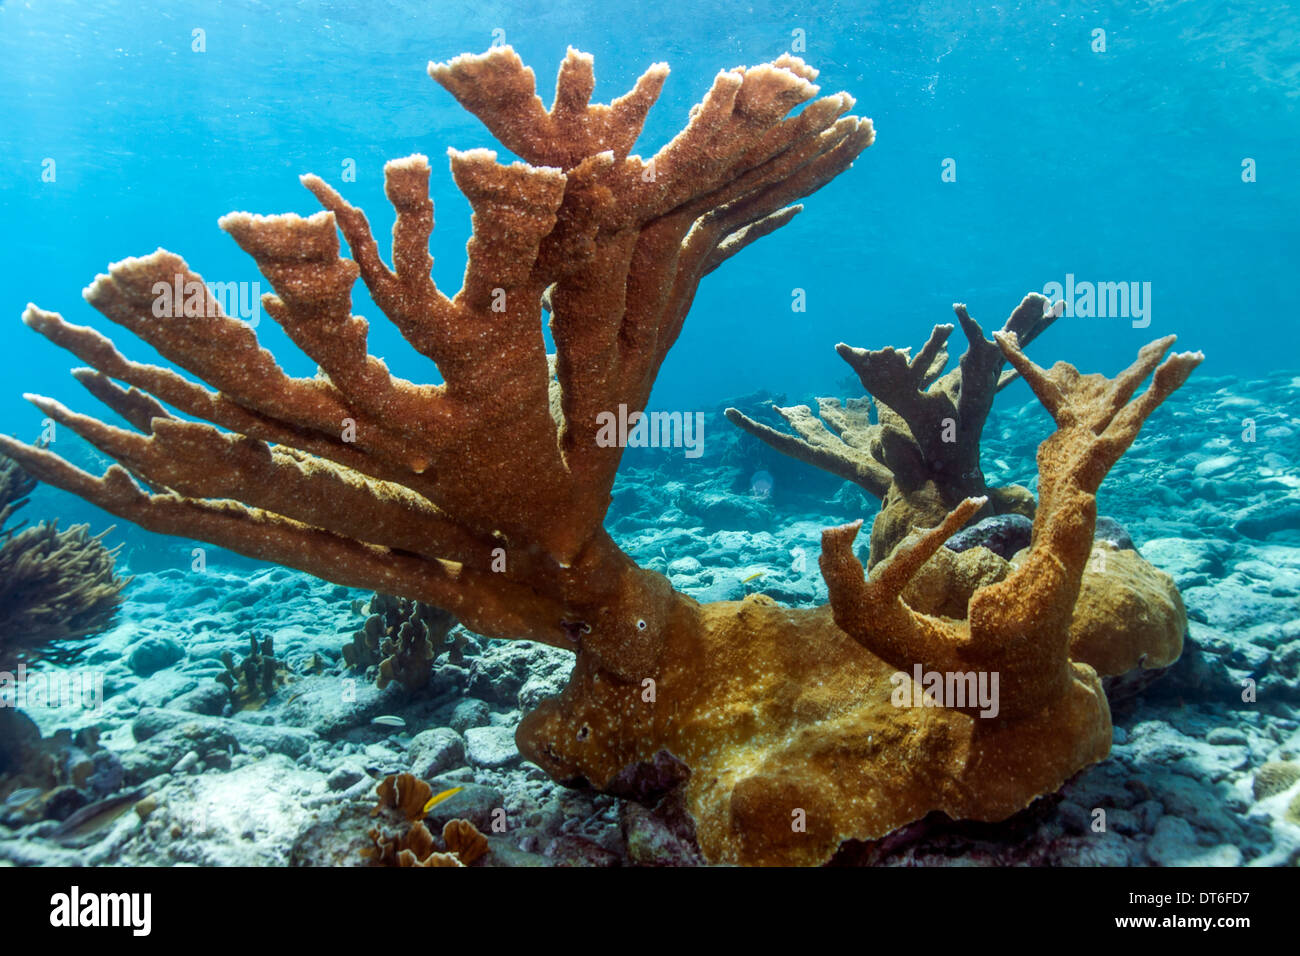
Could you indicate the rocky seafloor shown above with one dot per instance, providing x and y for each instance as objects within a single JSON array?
[{"x": 1197, "y": 774}]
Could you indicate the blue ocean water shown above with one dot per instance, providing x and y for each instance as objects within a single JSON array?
[
  {"x": 1018, "y": 145},
  {"x": 1115, "y": 166},
  {"x": 1123, "y": 165}
]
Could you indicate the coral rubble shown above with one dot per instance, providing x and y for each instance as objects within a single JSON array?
[
  {"x": 53, "y": 777},
  {"x": 485, "y": 495}
]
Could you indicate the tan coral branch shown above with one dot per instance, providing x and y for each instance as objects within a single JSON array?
[{"x": 1019, "y": 627}]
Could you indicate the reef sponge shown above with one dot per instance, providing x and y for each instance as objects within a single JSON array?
[
  {"x": 55, "y": 586},
  {"x": 401, "y": 639},
  {"x": 486, "y": 494},
  {"x": 921, "y": 454}
]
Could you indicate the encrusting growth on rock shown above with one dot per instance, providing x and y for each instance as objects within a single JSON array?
[{"x": 485, "y": 494}]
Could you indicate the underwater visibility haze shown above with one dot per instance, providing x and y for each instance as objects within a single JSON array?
[{"x": 851, "y": 433}]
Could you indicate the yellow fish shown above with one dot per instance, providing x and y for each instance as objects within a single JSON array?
[
  {"x": 437, "y": 798},
  {"x": 753, "y": 577}
]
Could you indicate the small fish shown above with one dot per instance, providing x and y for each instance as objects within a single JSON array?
[
  {"x": 389, "y": 721},
  {"x": 753, "y": 577},
  {"x": 437, "y": 798},
  {"x": 19, "y": 797},
  {"x": 79, "y": 828}
]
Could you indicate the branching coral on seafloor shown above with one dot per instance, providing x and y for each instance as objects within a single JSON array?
[
  {"x": 253, "y": 680},
  {"x": 401, "y": 639},
  {"x": 485, "y": 495},
  {"x": 921, "y": 456},
  {"x": 16, "y": 487},
  {"x": 1018, "y": 627},
  {"x": 55, "y": 586}
]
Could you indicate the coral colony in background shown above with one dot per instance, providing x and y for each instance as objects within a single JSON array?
[{"x": 961, "y": 677}]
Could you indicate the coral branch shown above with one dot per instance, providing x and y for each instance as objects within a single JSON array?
[
  {"x": 922, "y": 455},
  {"x": 838, "y": 449},
  {"x": 873, "y": 612},
  {"x": 1018, "y": 627},
  {"x": 498, "y": 89},
  {"x": 484, "y": 494}
]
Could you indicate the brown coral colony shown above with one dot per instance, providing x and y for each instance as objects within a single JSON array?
[{"x": 485, "y": 495}]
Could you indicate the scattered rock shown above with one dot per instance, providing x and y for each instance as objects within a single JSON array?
[
  {"x": 187, "y": 763},
  {"x": 492, "y": 747},
  {"x": 1269, "y": 516},
  {"x": 468, "y": 713},
  {"x": 1173, "y": 843},
  {"x": 570, "y": 850},
  {"x": 436, "y": 751},
  {"x": 1112, "y": 532},
  {"x": 1004, "y": 535},
  {"x": 344, "y": 776},
  {"x": 1227, "y": 737},
  {"x": 153, "y": 654}
]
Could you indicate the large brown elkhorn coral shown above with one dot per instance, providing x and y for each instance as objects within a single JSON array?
[{"x": 486, "y": 494}]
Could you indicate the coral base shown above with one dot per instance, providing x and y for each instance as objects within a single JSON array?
[{"x": 777, "y": 711}]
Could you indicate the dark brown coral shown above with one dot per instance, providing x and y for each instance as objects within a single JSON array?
[
  {"x": 254, "y": 679},
  {"x": 401, "y": 639},
  {"x": 921, "y": 456}
]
